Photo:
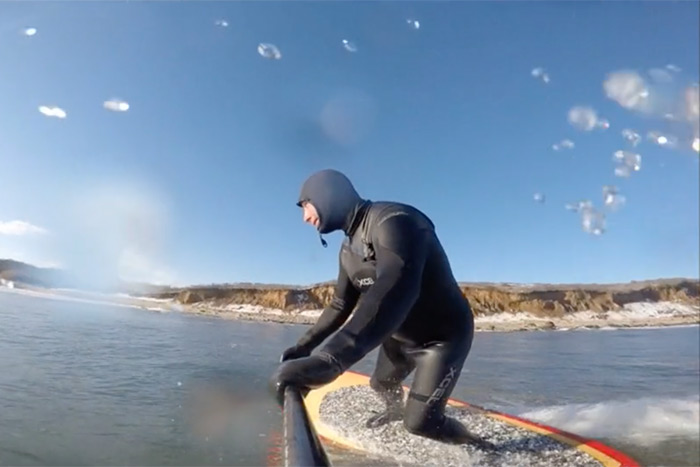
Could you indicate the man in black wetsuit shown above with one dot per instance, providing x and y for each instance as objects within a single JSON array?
[{"x": 395, "y": 271}]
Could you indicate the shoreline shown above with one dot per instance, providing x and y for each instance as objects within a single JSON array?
[
  {"x": 689, "y": 316},
  {"x": 634, "y": 315}
]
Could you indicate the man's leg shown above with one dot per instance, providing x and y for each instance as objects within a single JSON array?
[
  {"x": 393, "y": 366},
  {"x": 438, "y": 369}
]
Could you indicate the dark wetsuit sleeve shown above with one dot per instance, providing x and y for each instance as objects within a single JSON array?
[
  {"x": 401, "y": 249},
  {"x": 335, "y": 314}
]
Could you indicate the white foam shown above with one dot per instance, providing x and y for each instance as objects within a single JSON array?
[
  {"x": 145, "y": 299},
  {"x": 646, "y": 421}
]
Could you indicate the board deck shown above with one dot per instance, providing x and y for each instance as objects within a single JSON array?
[{"x": 596, "y": 451}]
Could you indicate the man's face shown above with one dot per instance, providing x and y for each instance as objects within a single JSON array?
[{"x": 309, "y": 213}]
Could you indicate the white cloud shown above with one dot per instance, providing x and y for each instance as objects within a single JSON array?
[{"x": 20, "y": 228}]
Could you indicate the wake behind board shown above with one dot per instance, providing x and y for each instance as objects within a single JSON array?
[{"x": 339, "y": 410}]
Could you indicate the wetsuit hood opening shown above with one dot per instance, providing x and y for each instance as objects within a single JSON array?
[{"x": 333, "y": 196}]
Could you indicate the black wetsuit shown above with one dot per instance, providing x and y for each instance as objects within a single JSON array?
[{"x": 396, "y": 277}]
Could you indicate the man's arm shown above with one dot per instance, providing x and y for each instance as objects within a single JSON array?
[
  {"x": 334, "y": 315},
  {"x": 401, "y": 248}
]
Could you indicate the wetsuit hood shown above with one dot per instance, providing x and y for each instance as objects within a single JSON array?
[{"x": 334, "y": 198}]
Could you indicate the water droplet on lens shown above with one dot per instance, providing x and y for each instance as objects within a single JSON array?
[
  {"x": 612, "y": 198},
  {"x": 563, "y": 144},
  {"x": 269, "y": 51},
  {"x": 593, "y": 222},
  {"x": 349, "y": 46},
  {"x": 578, "y": 207},
  {"x": 54, "y": 111},
  {"x": 660, "y": 75},
  {"x": 622, "y": 171},
  {"x": 627, "y": 161},
  {"x": 628, "y": 89},
  {"x": 586, "y": 119},
  {"x": 661, "y": 139},
  {"x": 540, "y": 73},
  {"x": 631, "y": 136},
  {"x": 116, "y": 105}
]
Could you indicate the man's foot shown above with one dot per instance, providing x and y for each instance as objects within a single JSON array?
[
  {"x": 455, "y": 432},
  {"x": 383, "y": 418}
]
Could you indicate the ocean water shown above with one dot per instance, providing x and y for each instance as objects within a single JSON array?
[{"x": 88, "y": 384}]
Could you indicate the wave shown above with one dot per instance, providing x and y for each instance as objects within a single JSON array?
[{"x": 644, "y": 421}]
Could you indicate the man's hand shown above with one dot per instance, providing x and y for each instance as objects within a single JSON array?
[
  {"x": 304, "y": 373},
  {"x": 294, "y": 352}
]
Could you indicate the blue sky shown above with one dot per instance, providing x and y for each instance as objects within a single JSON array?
[{"x": 196, "y": 182}]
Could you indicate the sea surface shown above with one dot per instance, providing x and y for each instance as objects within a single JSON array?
[{"x": 87, "y": 384}]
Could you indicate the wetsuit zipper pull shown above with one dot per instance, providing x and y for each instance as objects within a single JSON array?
[{"x": 323, "y": 242}]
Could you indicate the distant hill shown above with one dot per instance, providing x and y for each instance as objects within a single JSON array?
[
  {"x": 27, "y": 275},
  {"x": 22, "y": 273}
]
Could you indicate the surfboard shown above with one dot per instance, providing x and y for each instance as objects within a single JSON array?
[{"x": 339, "y": 410}]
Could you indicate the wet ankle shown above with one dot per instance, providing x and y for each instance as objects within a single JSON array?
[{"x": 392, "y": 397}]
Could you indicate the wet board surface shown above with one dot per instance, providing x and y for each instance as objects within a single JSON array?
[{"x": 340, "y": 409}]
